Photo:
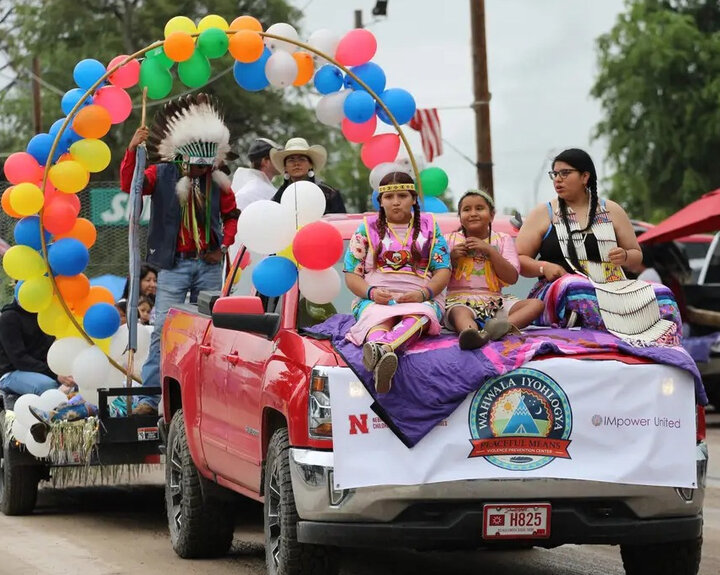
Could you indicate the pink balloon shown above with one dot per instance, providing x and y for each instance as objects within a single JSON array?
[
  {"x": 59, "y": 216},
  {"x": 359, "y": 133},
  {"x": 116, "y": 101},
  {"x": 379, "y": 149},
  {"x": 21, "y": 167},
  {"x": 357, "y": 47},
  {"x": 126, "y": 76}
]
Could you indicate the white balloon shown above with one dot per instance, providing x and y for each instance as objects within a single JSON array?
[
  {"x": 306, "y": 200},
  {"x": 51, "y": 398},
  {"x": 266, "y": 227},
  {"x": 119, "y": 343},
  {"x": 20, "y": 429},
  {"x": 403, "y": 160},
  {"x": 329, "y": 109},
  {"x": 319, "y": 286},
  {"x": 286, "y": 31},
  {"x": 382, "y": 170},
  {"x": 91, "y": 370},
  {"x": 22, "y": 411},
  {"x": 325, "y": 41},
  {"x": 37, "y": 449},
  {"x": 62, "y": 354},
  {"x": 281, "y": 69}
]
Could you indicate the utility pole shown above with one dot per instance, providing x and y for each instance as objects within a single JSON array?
[
  {"x": 482, "y": 96},
  {"x": 37, "y": 108},
  {"x": 358, "y": 19}
]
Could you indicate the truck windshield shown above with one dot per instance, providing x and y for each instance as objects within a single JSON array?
[{"x": 712, "y": 275}]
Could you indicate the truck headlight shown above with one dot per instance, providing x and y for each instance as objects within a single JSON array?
[{"x": 319, "y": 414}]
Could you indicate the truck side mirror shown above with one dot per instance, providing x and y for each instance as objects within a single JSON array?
[{"x": 245, "y": 313}]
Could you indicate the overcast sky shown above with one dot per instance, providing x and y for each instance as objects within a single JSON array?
[{"x": 541, "y": 65}]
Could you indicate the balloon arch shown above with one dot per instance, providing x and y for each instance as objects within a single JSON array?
[{"x": 52, "y": 242}]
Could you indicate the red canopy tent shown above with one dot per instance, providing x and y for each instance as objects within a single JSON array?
[{"x": 701, "y": 216}]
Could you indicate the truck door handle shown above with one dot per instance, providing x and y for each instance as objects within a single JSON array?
[
  {"x": 233, "y": 358},
  {"x": 206, "y": 349}
]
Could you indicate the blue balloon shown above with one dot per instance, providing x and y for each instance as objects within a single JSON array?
[
  {"x": 400, "y": 103},
  {"x": 433, "y": 205},
  {"x": 68, "y": 257},
  {"x": 370, "y": 73},
  {"x": 101, "y": 320},
  {"x": 375, "y": 200},
  {"x": 27, "y": 232},
  {"x": 87, "y": 72},
  {"x": 274, "y": 276},
  {"x": 17, "y": 288},
  {"x": 71, "y": 98},
  {"x": 359, "y": 107},
  {"x": 39, "y": 148},
  {"x": 251, "y": 77},
  {"x": 328, "y": 79},
  {"x": 69, "y": 136}
]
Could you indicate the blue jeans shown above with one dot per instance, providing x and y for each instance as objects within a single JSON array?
[
  {"x": 22, "y": 382},
  {"x": 173, "y": 286}
]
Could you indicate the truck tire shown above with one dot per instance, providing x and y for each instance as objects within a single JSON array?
[
  {"x": 284, "y": 555},
  {"x": 673, "y": 558},
  {"x": 199, "y": 526},
  {"x": 18, "y": 483}
]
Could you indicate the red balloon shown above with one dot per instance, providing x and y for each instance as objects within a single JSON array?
[
  {"x": 21, "y": 167},
  {"x": 357, "y": 47},
  {"x": 72, "y": 199},
  {"x": 59, "y": 216},
  {"x": 126, "y": 76},
  {"x": 359, "y": 133},
  {"x": 116, "y": 101},
  {"x": 317, "y": 246},
  {"x": 379, "y": 149}
]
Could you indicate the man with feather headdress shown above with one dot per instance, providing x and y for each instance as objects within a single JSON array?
[{"x": 193, "y": 216}]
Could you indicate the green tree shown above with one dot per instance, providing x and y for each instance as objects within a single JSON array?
[{"x": 659, "y": 87}]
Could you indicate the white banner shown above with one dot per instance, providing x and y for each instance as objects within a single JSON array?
[{"x": 559, "y": 418}]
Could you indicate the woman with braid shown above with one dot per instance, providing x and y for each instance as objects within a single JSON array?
[
  {"x": 397, "y": 264},
  {"x": 577, "y": 246}
]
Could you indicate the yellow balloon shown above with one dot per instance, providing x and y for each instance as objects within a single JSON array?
[
  {"x": 93, "y": 154},
  {"x": 35, "y": 294},
  {"x": 213, "y": 21},
  {"x": 103, "y": 344},
  {"x": 71, "y": 330},
  {"x": 26, "y": 199},
  {"x": 69, "y": 176},
  {"x": 23, "y": 263},
  {"x": 53, "y": 320},
  {"x": 180, "y": 24},
  {"x": 288, "y": 253}
]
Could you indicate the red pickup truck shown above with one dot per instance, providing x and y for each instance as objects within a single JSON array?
[{"x": 246, "y": 410}]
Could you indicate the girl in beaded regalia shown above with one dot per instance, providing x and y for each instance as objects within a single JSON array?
[
  {"x": 577, "y": 246},
  {"x": 397, "y": 264}
]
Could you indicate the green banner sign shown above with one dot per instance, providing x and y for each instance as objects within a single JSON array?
[{"x": 110, "y": 207}]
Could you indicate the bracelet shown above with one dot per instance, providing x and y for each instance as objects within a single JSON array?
[
  {"x": 542, "y": 270},
  {"x": 431, "y": 294},
  {"x": 368, "y": 295}
]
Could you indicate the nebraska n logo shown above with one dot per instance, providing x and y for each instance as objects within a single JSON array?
[{"x": 358, "y": 424}]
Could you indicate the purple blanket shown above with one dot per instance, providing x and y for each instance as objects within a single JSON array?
[{"x": 435, "y": 376}]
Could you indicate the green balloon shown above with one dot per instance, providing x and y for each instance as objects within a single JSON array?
[
  {"x": 213, "y": 43},
  {"x": 195, "y": 71},
  {"x": 157, "y": 79},
  {"x": 434, "y": 181},
  {"x": 158, "y": 56}
]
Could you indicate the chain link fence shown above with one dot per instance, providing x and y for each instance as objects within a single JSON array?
[{"x": 106, "y": 206}]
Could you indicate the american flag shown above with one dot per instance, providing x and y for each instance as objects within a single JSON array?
[{"x": 427, "y": 122}]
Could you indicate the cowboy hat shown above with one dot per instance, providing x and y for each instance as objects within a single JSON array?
[{"x": 299, "y": 147}]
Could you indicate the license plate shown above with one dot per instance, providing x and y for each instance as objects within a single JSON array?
[{"x": 516, "y": 521}]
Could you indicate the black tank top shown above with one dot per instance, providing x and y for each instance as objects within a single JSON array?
[{"x": 551, "y": 252}]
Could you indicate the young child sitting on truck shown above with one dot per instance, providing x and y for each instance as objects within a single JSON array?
[
  {"x": 483, "y": 262},
  {"x": 397, "y": 264}
]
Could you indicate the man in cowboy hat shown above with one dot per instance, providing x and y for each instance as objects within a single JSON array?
[
  {"x": 193, "y": 219},
  {"x": 300, "y": 161}
]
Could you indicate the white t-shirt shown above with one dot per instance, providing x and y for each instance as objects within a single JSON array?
[{"x": 650, "y": 275}]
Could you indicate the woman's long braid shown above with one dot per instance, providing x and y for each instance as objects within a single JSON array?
[
  {"x": 382, "y": 230},
  {"x": 572, "y": 251},
  {"x": 414, "y": 250}
]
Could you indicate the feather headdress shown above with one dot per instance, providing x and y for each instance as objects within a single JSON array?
[{"x": 191, "y": 129}]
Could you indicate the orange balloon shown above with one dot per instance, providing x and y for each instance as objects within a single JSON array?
[
  {"x": 83, "y": 230},
  {"x": 97, "y": 294},
  {"x": 73, "y": 289},
  {"x": 305, "y": 67},
  {"x": 179, "y": 46},
  {"x": 92, "y": 122},
  {"x": 246, "y": 23},
  {"x": 246, "y": 46},
  {"x": 5, "y": 200}
]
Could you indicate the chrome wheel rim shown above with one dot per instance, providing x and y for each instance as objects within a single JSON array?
[
  {"x": 274, "y": 515},
  {"x": 175, "y": 498}
]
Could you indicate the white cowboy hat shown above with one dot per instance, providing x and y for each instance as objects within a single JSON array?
[{"x": 299, "y": 146}]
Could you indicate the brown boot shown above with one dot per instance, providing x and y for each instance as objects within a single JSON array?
[
  {"x": 384, "y": 371},
  {"x": 472, "y": 338},
  {"x": 144, "y": 409},
  {"x": 498, "y": 328}
]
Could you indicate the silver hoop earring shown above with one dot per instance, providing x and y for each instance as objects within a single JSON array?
[
  {"x": 311, "y": 174},
  {"x": 286, "y": 176}
]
